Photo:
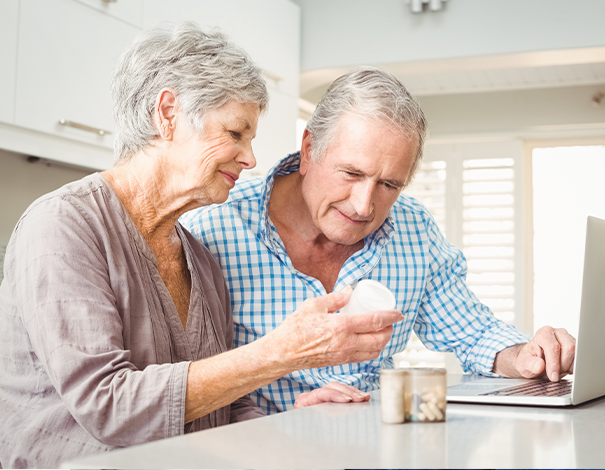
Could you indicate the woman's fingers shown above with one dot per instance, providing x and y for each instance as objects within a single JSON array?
[
  {"x": 328, "y": 303},
  {"x": 312, "y": 337}
]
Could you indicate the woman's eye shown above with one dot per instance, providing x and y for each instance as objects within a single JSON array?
[{"x": 236, "y": 135}]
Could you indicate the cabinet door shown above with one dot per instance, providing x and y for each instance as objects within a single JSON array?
[
  {"x": 9, "y": 14},
  {"x": 66, "y": 53}
]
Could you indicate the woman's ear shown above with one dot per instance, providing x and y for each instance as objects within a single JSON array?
[{"x": 165, "y": 113}]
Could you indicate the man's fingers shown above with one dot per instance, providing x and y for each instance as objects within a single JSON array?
[
  {"x": 326, "y": 394},
  {"x": 552, "y": 354},
  {"x": 356, "y": 394},
  {"x": 559, "y": 351},
  {"x": 568, "y": 350}
]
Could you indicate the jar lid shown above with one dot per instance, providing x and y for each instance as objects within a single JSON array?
[
  {"x": 425, "y": 370},
  {"x": 393, "y": 371}
]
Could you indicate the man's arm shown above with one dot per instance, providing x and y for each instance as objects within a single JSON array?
[{"x": 550, "y": 354}]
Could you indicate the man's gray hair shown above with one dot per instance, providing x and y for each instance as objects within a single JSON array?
[
  {"x": 204, "y": 69},
  {"x": 367, "y": 92}
]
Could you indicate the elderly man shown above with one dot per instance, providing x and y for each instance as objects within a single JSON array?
[{"x": 333, "y": 214}]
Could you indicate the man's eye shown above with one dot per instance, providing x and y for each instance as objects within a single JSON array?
[{"x": 391, "y": 187}]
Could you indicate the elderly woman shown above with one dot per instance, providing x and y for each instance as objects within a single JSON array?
[{"x": 116, "y": 323}]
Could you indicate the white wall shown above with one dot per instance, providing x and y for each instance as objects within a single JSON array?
[
  {"x": 22, "y": 182},
  {"x": 341, "y": 33},
  {"x": 551, "y": 112}
]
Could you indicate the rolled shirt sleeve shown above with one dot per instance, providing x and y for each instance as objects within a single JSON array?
[{"x": 452, "y": 318}]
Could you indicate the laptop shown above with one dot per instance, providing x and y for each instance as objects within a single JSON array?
[{"x": 589, "y": 363}]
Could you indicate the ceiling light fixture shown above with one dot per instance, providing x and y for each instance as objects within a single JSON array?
[{"x": 419, "y": 6}]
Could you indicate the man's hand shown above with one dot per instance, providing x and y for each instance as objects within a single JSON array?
[
  {"x": 334, "y": 392},
  {"x": 314, "y": 336},
  {"x": 550, "y": 354}
]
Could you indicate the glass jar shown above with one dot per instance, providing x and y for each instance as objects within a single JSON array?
[
  {"x": 392, "y": 395},
  {"x": 425, "y": 392}
]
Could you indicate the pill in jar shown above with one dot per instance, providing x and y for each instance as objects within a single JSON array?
[{"x": 425, "y": 394}]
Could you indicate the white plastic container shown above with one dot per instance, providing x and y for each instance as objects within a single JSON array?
[
  {"x": 369, "y": 296},
  {"x": 392, "y": 395}
]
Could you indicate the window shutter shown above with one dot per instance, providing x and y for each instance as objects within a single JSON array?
[
  {"x": 489, "y": 232},
  {"x": 429, "y": 188}
]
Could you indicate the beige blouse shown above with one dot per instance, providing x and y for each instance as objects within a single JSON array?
[{"x": 93, "y": 355}]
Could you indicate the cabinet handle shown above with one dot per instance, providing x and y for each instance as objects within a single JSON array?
[{"x": 84, "y": 127}]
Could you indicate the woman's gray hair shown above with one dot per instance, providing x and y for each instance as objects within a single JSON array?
[
  {"x": 368, "y": 92},
  {"x": 204, "y": 69}
]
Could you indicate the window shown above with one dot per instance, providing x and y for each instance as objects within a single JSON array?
[
  {"x": 567, "y": 187},
  {"x": 429, "y": 187}
]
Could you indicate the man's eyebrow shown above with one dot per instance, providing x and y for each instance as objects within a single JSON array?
[
  {"x": 395, "y": 183},
  {"x": 354, "y": 169},
  {"x": 349, "y": 168}
]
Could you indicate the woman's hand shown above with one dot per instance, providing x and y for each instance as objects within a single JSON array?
[
  {"x": 314, "y": 336},
  {"x": 334, "y": 392}
]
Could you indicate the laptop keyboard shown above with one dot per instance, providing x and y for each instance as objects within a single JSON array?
[{"x": 535, "y": 389}]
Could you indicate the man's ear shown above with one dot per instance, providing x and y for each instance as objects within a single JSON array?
[
  {"x": 165, "y": 113},
  {"x": 305, "y": 153}
]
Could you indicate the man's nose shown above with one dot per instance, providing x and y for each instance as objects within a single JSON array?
[{"x": 362, "y": 198}]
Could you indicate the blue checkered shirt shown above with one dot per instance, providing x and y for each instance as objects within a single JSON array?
[{"x": 407, "y": 253}]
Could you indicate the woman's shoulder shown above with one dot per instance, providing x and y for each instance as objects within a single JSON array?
[
  {"x": 68, "y": 195},
  {"x": 76, "y": 207}
]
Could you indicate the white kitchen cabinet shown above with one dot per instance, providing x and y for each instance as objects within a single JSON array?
[
  {"x": 130, "y": 11},
  {"x": 66, "y": 53},
  {"x": 9, "y": 15}
]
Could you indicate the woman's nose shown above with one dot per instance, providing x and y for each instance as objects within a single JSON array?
[{"x": 246, "y": 158}]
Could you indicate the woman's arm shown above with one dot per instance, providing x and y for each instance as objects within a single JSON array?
[{"x": 310, "y": 337}]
